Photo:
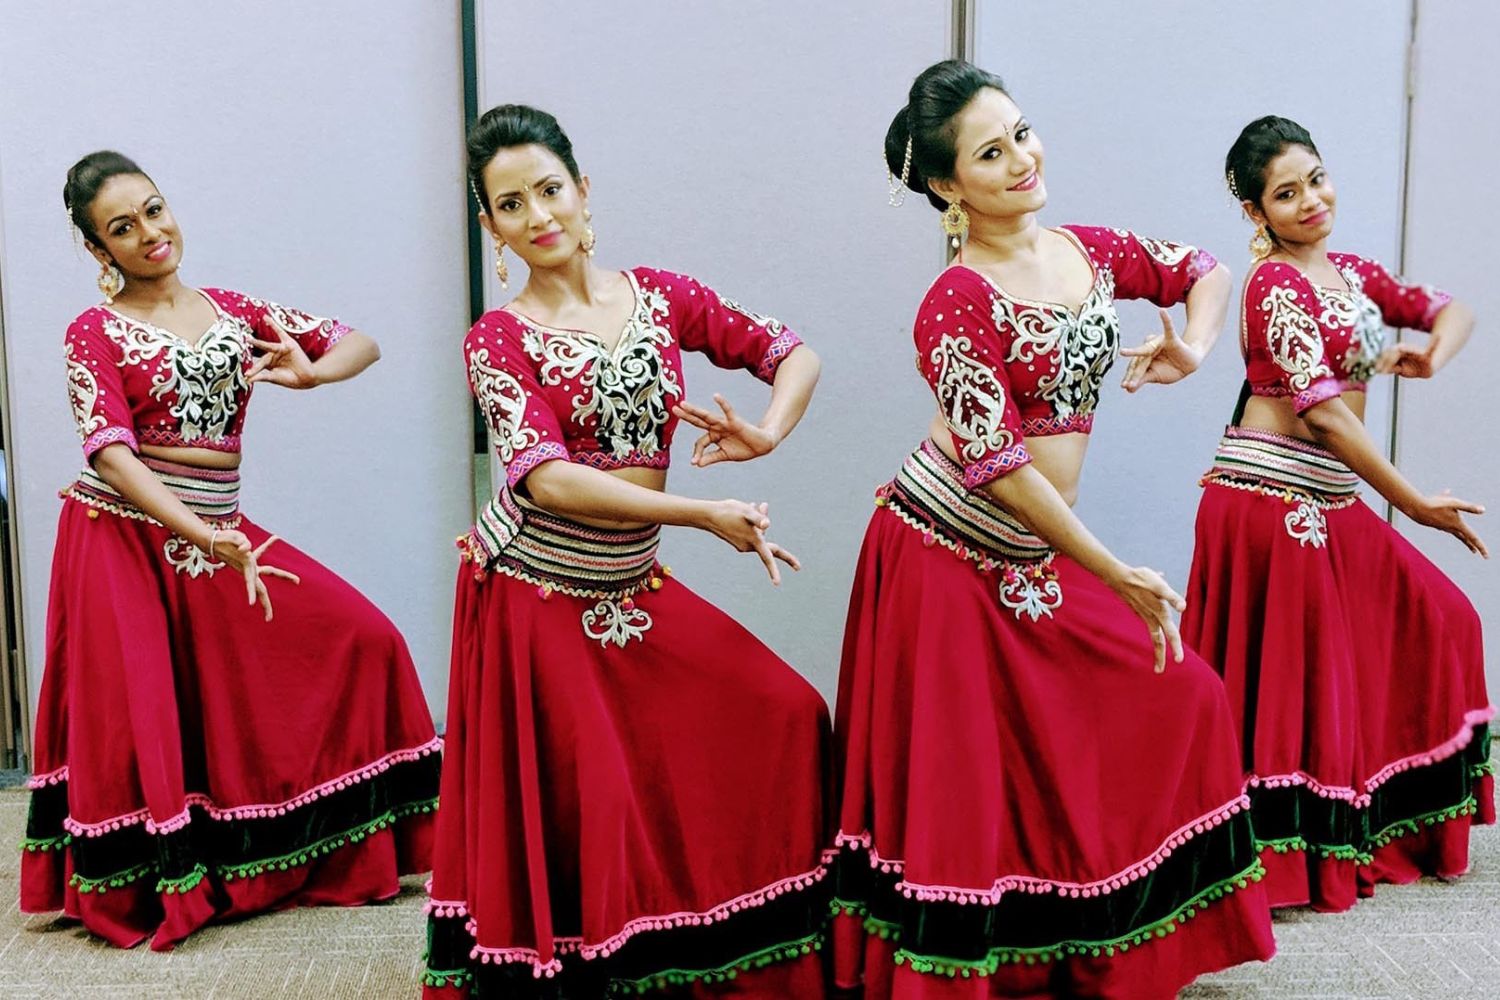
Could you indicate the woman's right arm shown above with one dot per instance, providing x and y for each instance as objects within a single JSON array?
[
  {"x": 1029, "y": 495},
  {"x": 571, "y": 490},
  {"x": 118, "y": 466},
  {"x": 1336, "y": 428},
  {"x": 960, "y": 352},
  {"x": 107, "y": 428},
  {"x": 1286, "y": 356},
  {"x": 530, "y": 443}
]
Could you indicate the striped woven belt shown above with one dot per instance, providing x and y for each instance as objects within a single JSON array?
[
  {"x": 518, "y": 538},
  {"x": 929, "y": 494},
  {"x": 210, "y": 493},
  {"x": 1278, "y": 465},
  {"x": 608, "y": 566}
]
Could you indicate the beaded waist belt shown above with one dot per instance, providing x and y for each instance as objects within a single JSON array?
[
  {"x": 928, "y": 494},
  {"x": 210, "y": 493},
  {"x": 1308, "y": 478},
  {"x": 611, "y": 566}
]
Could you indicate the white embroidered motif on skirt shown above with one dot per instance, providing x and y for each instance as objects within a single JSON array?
[
  {"x": 971, "y": 398},
  {"x": 208, "y": 378},
  {"x": 504, "y": 403},
  {"x": 1294, "y": 339},
  {"x": 1307, "y": 525},
  {"x": 185, "y": 557},
  {"x": 1030, "y": 590},
  {"x": 616, "y": 621},
  {"x": 626, "y": 388},
  {"x": 1081, "y": 346}
]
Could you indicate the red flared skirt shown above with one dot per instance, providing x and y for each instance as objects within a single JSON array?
[
  {"x": 633, "y": 793},
  {"x": 1026, "y": 808},
  {"x": 1355, "y": 670},
  {"x": 195, "y": 762}
]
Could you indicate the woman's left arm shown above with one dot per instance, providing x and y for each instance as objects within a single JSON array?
[
  {"x": 728, "y": 437},
  {"x": 1450, "y": 332}
]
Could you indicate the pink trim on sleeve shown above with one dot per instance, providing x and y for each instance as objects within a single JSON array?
[
  {"x": 1322, "y": 389},
  {"x": 107, "y": 436},
  {"x": 529, "y": 459},
  {"x": 1201, "y": 263},
  {"x": 992, "y": 467},
  {"x": 776, "y": 352}
]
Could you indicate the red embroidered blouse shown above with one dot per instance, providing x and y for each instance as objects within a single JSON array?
[
  {"x": 1312, "y": 343},
  {"x": 560, "y": 394},
  {"x": 134, "y": 383},
  {"x": 1005, "y": 368}
]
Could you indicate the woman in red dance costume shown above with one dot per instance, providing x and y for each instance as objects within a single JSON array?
[
  {"x": 196, "y": 760},
  {"x": 633, "y": 793},
  {"x": 1027, "y": 808},
  {"x": 1355, "y": 668}
]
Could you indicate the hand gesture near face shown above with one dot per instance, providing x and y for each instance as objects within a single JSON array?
[
  {"x": 1163, "y": 359},
  {"x": 283, "y": 361},
  {"x": 727, "y": 437},
  {"x": 1407, "y": 360}
]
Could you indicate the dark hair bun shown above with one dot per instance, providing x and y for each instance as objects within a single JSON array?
[
  {"x": 86, "y": 178},
  {"x": 927, "y": 122},
  {"x": 514, "y": 125}
]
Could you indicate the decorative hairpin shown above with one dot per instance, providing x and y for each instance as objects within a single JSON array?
[
  {"x": 1234, "y": 189},
  {"x": 898, "y": 185}
]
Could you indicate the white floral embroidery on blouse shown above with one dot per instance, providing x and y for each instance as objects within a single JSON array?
[
  {"x": 971, "y": 397},
  {"x": 1295, "y": 341},
  {"x": 208, "y": 378},
  {"x": 504, "y": 404}
]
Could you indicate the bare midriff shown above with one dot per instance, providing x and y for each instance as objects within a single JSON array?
[
  {"x": 1278, "y": 415},
  {"x": 1058, "y": 457},
  {"x": 201, "y": 458}
]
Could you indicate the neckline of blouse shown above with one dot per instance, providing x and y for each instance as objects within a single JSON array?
[
  {"x": 192, "y": 345},
  {"x": 1074, "y": 311},
  {"x": 1348, "y": 288},
  {"x": 635, "y": 308}
]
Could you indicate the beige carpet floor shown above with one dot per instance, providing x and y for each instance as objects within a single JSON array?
[{"x": 1420, "y": 941}]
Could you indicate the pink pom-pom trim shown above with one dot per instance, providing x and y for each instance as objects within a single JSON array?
[{"x": 254, "y": 811}]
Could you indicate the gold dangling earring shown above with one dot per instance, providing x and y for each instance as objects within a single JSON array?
[
  {"x": 501, "y": 271},
  {"x": 588, "y": 234},
  {"x": 955, "y": 223},
  {"x": 111, "y": 282},
  {"x": 1261, "y": 244}
]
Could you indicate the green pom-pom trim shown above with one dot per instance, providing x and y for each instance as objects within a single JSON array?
[
  {"x": 115, "y": 881},
  {"x": 936, "y": 965},
  {"x": 250, "y": 869},
  {"x": 1414, "y": 825},
  {"x": 1342, "y": 852},
  {"x": 324, "y": 847},
  {"x": 757, "y": 960},
  {"x": 447, "y": 977},
  {"x": 35, "y": 844},
  {"x": 184, "y": 884}
]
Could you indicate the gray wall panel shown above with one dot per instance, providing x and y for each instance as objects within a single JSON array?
[{"x": 312, "y": 155}]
